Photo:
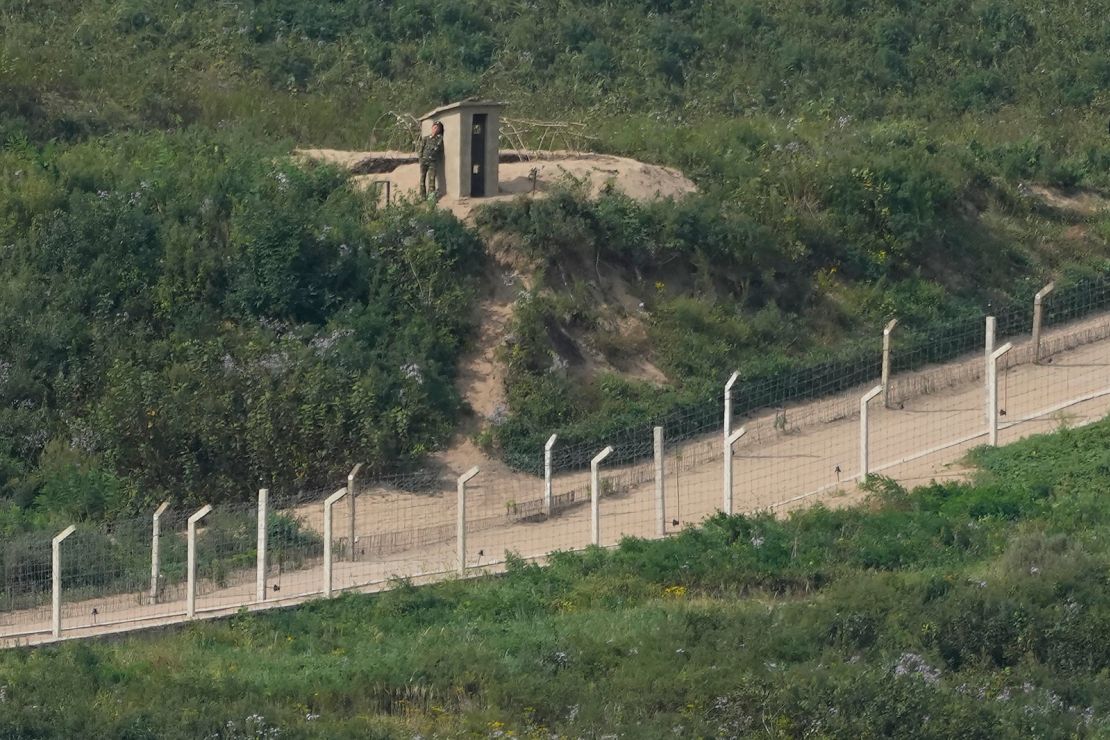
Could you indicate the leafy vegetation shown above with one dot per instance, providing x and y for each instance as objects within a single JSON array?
[
  {"x": 191, "y": 315},
  {"x": 1023, "y": 77},
  {"x": 973, "y": 609},
  {"x": 184, "y": 312}
]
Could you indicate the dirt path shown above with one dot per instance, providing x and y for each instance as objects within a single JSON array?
[{"x": 924, "y": 439}]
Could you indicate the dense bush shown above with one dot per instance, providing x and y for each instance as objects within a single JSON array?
[{"x": 192, "y": 316}]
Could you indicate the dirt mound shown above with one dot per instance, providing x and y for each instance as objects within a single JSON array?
[
  {"x": 358, "y": 163},
  {"x": 533, "y": 176},
  {"x": 635, "y": 179}
]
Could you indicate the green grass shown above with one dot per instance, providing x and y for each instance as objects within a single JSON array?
[{"x": 977, "y": 610}]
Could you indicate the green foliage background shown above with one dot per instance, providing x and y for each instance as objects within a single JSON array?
[
  {"x": 321, "y": 71},
  {"x": 183, "y": 312},
  {"x": 191, "y": 314}
]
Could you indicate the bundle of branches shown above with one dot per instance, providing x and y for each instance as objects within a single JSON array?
[{"x": 565, "y": 135}]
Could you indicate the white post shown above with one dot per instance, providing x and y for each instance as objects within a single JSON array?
[
  {"x": 353, "y": 494},
  {"x": 155, "y": 551},
  {"x": 56, "y": 579},
  {"x": 992, "y": 392},
  {"x": 547, "y": 497},
  {"x": 660, "y": 501},
  {"x": 191, "y": 560},
  {"x": 863, "y": 465},
  {"x": 727, "y": 427},
  {"x": 886, "y": 361},
  {"x": 328, "y": 503},
  {"x": 460, "y": 524},
  {"x": 987, "y": 352},
  {"x": 728, "y": 403},
  {"x": 1037, "y": 316},
  {"x": 595, "y": 495},
  {"x": 732, "y": 438},
  {"x": 263, "y": 544}
]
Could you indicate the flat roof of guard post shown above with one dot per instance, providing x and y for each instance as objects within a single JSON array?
[{"x": 459, "y": 105}]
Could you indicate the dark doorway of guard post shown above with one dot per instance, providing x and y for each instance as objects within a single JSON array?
[{"x": 478, "y": 156}]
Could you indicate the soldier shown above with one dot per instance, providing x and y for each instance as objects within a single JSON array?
[{"x": 431, "y": 152}]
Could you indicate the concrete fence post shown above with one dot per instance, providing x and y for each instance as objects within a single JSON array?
[
  {"x": 727, "y": 426},
  {"x": 262, "y": 545},
  {"x": 1038, "y": 315},
  {"x": 595, "y": 495},
  {"x": 56, "y": 580},
  {"x": 191, "y": 561},
  {"x": 460, "y": 524},
  {"x": 992, "y": 392},
  {"x": 660, "y": 499},
  {"x": 886, "y": 360},
  {"x": 329, "y": 502},
  {"x": 732, "y": 439},
  {"x": 352, "y": 496},
  {"x": 864, "y": 469},
  {"x": 155, "y": 549},
  {"x": 547, "y": 452},
  {"x": 988, "y": 350}
]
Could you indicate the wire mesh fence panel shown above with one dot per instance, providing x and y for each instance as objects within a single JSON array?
[
  {"x": 923, "y": 435},
  {"x": 1069, "y": 385},
  {"x": 226, "y": 552},
  {"x": 855, "y": 364},
  {"x": 509, "y": 512},
  {"x": 1077, "y": 300},
  {"x": 27, "y": 583},
  {"x": 404, "y": 526},
  {"x": 626, "y": 504},
  {"x": 106, "y": 573}
]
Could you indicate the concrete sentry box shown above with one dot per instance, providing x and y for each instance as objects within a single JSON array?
[{"x": 471, "y": 131}]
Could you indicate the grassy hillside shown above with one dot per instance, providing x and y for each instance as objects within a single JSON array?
[
  {"x": 324, "y": 71},
  {"x": 971, "y": 610},
  {"x": 183, "y": 312}
]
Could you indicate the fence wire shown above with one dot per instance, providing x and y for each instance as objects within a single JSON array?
[{"x": 803, "y": 441}]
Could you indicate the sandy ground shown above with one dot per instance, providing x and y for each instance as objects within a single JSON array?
[
  {"x": 923, "y": 437},
  {"x": 636, "y": 179}
]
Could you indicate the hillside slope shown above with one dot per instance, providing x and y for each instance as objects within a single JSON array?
[{"x": 188, "y": 314}]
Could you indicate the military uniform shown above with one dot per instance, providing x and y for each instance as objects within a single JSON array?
[{"x": 431, "y": 152}]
